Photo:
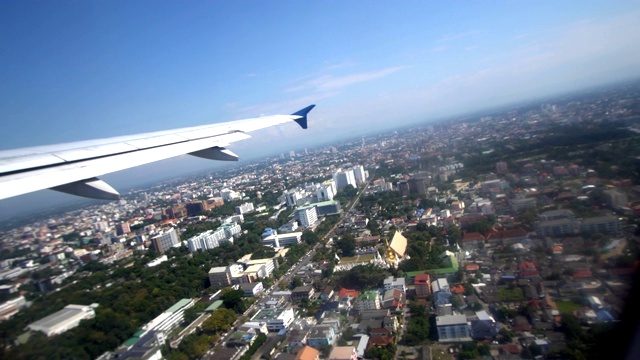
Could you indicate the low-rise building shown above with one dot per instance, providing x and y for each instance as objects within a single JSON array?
[
  {"x": 252, "y": 289},
  {"x": 453, "y": 328},
  {"x": 343, "y": 353},
  {"x": 170, "y": 318},
  {"x": 301, "y": 293},
  {"x": 322, "y": 335},
  {"x": 12, "y": 307},
  {"x": 395, "y": 283},
  {"x": 63, "y": 320},
  {"x": 368, "y": 300},
  {"x": 422, "y": 284},
  {"x": 275, "y": 318},
  {"x": 307, "y": 353},
  {"x": 441, "y": 292}
]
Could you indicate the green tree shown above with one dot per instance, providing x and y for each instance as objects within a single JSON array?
[
  {"x": 221, "y": 320},
  {"x": 232, "y": 299},
  {"x": 347, "y": 245},
  {"x": 309, "y": 237}
]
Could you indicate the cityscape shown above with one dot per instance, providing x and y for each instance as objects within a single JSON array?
[{"x": 506, "y": 234}]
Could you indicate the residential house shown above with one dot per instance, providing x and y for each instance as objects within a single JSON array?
[
  {"x": 393, "y": 299},
  {"x": 380, "y": 332},
  {"x": 368, "y": 300},
  {"x": 308, "y": 353},
  {"x": 343, "y": 353},
  {"x": 441, "y": 292},
  {"x": 322, "y": 335},
  {"x": 472, "y": 241},
  {"x": 301, "y": 293},
  {"x": 391, "y": 323},
  {"x": 484, "y": 327},
  {"x": 422, "y": 284},
  {"x": 395, "y": 283},
  {"x": 327, "y": 293}
]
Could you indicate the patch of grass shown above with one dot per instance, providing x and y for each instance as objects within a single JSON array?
[
  {"x": 510, "y": 294},
  {"x": 567, "y": 306}
]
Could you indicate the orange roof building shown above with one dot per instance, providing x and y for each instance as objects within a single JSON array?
[{"x": 308, "y": 353}]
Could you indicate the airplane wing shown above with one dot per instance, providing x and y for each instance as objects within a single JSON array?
[{"x": 73, "y": 168}]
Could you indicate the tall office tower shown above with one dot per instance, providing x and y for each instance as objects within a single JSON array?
[
  {"x": 165, "y": 241},
  {"x": 344, "y": 178},
  {"x": 360, "y": 176}
]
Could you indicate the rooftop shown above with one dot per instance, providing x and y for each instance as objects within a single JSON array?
[
  {"x": 179, "y": 305},
  {"x": 451, "y": 320}
]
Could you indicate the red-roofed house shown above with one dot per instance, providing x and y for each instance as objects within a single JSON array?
[
  {"x": 507, "y": 237},
  {"x": 582, "y": 274},
  {"x": 380, "y": 340},
  {"x": 472, "y": 240},
  {"x": 472, "y": 267},
  {"x": 308, "y": 353},
  {"x": 352, "y": 293},
  {"x": 457, "y": 289},
  {"x": 528, "y": 270}
]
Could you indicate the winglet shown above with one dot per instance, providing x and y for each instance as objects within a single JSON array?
[{"x": 303, "y": 120}]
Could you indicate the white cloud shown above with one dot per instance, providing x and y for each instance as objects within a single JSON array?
[
  {"x": 451, "y": 37},
  {"x": 331, "y": 82}
]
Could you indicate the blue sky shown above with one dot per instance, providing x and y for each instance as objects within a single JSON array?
[{"x": 74, "y": 70}]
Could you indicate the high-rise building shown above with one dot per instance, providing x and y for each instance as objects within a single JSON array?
[
  {"x": 165, "y": 240},
  {"x": 359, "y": 174},
  {"x": 293, "y": 197},
  {"x": 123, "y": 228},
  {"x": 325, "y": 192},
  {"x": 344, "y": 178},
  {"x": 307, "y": 216}
]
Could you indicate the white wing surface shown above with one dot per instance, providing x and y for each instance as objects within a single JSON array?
[{"x": 74, "y": 167}]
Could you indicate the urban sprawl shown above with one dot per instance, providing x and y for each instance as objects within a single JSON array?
[{"x": 505, "y": 235}]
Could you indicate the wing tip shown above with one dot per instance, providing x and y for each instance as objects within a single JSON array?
[{"x": 302, "y": 121}]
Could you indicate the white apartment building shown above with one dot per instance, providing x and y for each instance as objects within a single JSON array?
[
  {"x": 209, "y": 239},
  {"x": 395, "y": 283},
  {"x": 293, "y": 197},
  {"x": 165, "y": 240},
  {"x": 244, "y": 208},
  {"x": 344, "y": 178},
  {"x": 307, "y": 215},
  {"x": 275, "y": 318},
  {"x": 359, "y": 174},
  {"x": 325, "y": 192},
  {"x": 279, "y": 240}
]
